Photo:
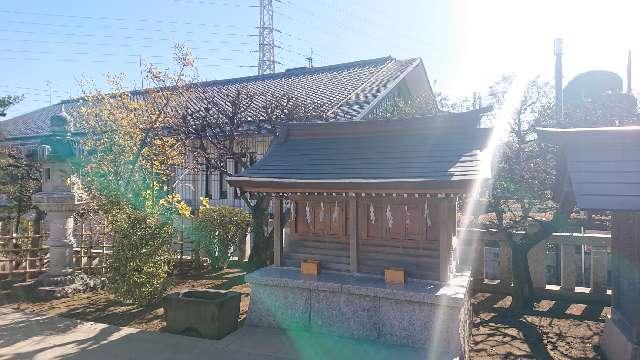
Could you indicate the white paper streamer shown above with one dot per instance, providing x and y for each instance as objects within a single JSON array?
[
  {"x": 372, "y": 214},
  {"x": 389, "y": 216}
]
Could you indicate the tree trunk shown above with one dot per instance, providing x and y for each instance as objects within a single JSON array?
[
  {"x": 523, "y": 294},
  {"x": 262, "y": 247}
]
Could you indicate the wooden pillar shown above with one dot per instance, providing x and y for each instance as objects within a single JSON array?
[
  {"x": 277, "y": 231},
  {"x": 444, "y": 234},
  {"x": 568, "y": 271},
  {"x": 352, "y": 228},
  {"x": 598, "y": 270}
]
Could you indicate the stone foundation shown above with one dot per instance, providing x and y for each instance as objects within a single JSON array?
[{"x": 419, "y": 313}]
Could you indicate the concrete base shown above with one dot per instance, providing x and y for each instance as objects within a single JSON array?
[
  {"x": 48, "y": 286},
  {"x": 616, "y": 346},
  {"x": 427, "y": 314}
]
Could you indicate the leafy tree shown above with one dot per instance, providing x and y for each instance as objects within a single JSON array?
[
  {"x": 19, "y": 179},
  {"x": 7, "y": 101},
  {"x": 523, "y": 179},
  {"x": 128, "y": 162},
  {"x": 218, "y": 230}
]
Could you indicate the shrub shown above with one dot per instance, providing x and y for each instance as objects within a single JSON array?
[
  {"x": 137, "y": 269},
  {"x": 218, "y": 230}
]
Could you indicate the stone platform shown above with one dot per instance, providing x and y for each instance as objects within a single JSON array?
[{"x": 428, "y": 314}]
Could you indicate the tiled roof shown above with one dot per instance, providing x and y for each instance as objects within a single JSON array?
[
  {"x": 344, "y": 90},
  {"x": 438, "y": 150}
]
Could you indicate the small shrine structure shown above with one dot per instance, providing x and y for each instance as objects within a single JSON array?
[
  {"x": 365, "y": 197},
  {"x": 600, "y": 170}
]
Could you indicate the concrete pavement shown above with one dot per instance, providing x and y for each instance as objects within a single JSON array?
[{"x": 34, "y": 336}]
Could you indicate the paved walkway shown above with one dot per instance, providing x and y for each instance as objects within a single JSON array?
[{"x": 33, "y": 336}]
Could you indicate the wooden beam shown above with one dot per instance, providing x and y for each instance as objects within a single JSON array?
[
  {"x": 277, "y": 232},
  {"x": 352, "y": 230},
  {"x": 444, "y": 235}
]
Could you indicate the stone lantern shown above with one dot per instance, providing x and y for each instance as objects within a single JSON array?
[{"x": 59, "y": 202}]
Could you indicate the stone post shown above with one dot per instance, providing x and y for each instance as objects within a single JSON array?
[
  {"x": 537, "y": 266},
  {"x": 506, "y": 274},
  {"x": 568, "y": 271},
  {"x": 598, "y": 270}
]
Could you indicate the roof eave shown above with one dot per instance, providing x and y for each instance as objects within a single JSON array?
[{"x": 406, "y": 186}]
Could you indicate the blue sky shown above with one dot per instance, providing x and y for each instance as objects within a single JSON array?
[{"x": 465, "y": 44}]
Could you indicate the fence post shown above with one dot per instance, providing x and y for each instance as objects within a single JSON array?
[
  {"x": 568, "y": 269},
  {"x": 598, "y": 270},
  {"x": 478, "y": 263},
  {"x": 536, "y": 258},
  {"x": 505, "y": 264}
]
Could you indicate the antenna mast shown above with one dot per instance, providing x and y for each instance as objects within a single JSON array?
[{"x": 266, "y": 40}]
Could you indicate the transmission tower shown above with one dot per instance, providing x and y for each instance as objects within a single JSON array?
[{"x": 266, "y": 40}]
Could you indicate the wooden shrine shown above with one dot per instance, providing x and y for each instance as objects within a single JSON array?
[
  {"x": 374, "y": 205},
  {"x": 368, "y": 195},
  {"x": 600, "y": 170}
]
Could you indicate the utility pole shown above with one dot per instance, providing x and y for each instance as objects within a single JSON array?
[
  {"x": 50, "y": 91},
  {"x": 310, "y": 59},
  {"x": 557, "y": 50},
  {"x": 629, "y": 73},
  {"x": 266, "y": 39}
]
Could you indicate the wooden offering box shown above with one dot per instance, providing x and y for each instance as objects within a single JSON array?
[
  {"x": 394, "y": 275},
  {"x": 310, "y": 267}
]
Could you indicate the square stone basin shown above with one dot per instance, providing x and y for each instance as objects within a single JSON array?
[{"x": 207, "y": 313}]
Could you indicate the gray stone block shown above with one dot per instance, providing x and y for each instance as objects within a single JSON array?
[
  {"x": 279, "y": 307},
  {"x": 212, "y": 313},
  {"x": 344, "y": 314}
]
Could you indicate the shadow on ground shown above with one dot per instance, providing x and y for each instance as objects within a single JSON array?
[
  {"x": 101, "y": 307},
  {"x": 553, "y": 329}
]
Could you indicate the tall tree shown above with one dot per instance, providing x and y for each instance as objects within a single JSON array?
[
  {"x": 523, "y": 179},
  {"x": 222, "y": 126}
]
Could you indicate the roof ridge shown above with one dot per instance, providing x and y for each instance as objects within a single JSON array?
[{"x": 292, "y": 71}]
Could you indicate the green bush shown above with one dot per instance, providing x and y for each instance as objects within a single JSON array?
[
  {"x": 219, "y": 229},
  {"x": 137, "y": 269}
]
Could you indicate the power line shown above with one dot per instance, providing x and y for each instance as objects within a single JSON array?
[{"x": 106, "y": 18}]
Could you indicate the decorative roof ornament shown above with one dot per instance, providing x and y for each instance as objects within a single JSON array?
[
  {"x": 389, "y": 216},
  {"x": 372, "y": 214}
]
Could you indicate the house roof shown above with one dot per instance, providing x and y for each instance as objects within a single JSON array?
[
  {"x": 602, "y": 165},
  {"x": 343, "y": 90},
  {"x": 428, "y": 154}
]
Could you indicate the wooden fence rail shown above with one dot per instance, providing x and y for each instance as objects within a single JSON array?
[{"x": 24, "y": 256}]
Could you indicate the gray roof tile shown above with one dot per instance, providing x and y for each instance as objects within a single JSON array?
[{"x": 346, "y": 89}]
